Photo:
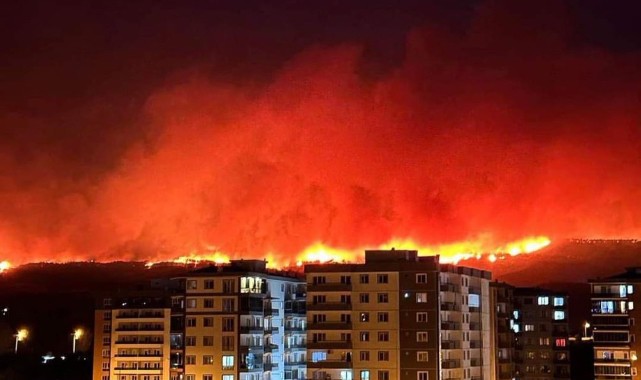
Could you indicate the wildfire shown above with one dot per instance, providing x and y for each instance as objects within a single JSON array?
[
  {"x": 449, "y": 253},
  {"x": 196, "y": 258},
  {"x": 4, "y": 266}
]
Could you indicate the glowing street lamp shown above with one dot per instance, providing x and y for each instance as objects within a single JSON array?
[
  {"x": 76, "y": 335},
  {"x": 20, "y": 336},
  {"x": 586, "y": 326}
]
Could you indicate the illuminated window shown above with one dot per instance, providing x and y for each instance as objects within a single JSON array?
[
  {"x": 630, "y": 289},
  {"x": 528, "y": 328},
  {"x": 559, "y": 301},
  {"x": 364, "y": 375},
  {"x": 319, "y": 356},
  {"x": 543, "y": 300},
  {"x": 421, "y": 297},
  {"x": 516, "y": 314},
  {"x": 623, "y": 291},
  {"x": 364, "y": 317},
  {"x": 516, "y": 328},
  {"x": 208, "y": 359},
  {"x": 474, "y": 300},
  {"x": 630, "y": 305},
  {"x": 228, "y": 377},
  {"x": 228, "y": 361},
  {"x": 607, "y": 307},
  {"x": 559, "y": 315},
  {"x": 364, "y": 336},
  {"x": 560, "y": 342}
]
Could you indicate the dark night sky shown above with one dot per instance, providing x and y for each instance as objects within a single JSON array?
[{"x": 97, "y": 97}]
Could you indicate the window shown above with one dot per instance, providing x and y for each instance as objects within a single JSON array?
[
  {"x": 209, "y": 284},
  {"x": 208, "y": 377},
  {"x": 228, "y": 361},
  {"x": 630, "y": 305},
  {"x": 191, "y": 303},
  {"x": 364, "y": 356},
  {"x": 421, "y": 297},
  {"x": 544, "y": 341},
  {"x": 319, "y": 356},
  {"x": 383, "y": 298},
  {"x": 559, "y": 315},
  {"x": 209, "y": 303},
  {"x": 228, "y": 286},
  {"x": 421, "y": 356},
  {"x": 383, "y": 375},
  {"x": 208, "y": 341},
  {"x": 559, "y": 301},
  {"x": 515, "y": 313},
  {"x": 190, "y": 377},
  {"x": 421, "y": 317},
  {"x": 105, "y": 365},
  {"x": 191, "y": 322},
  {"x": 106, "y": 340},
  {"x": 422, "y": 375},
  {"x": 208, "y": 322},
  {"x": 382, "y": 279},
  {"x": 560, "y": 342},
  {"x": 383, "y": 336},
  {"x": 421, "y": 336},
  {"x": 228, "y": 305},
  {"x": 208, "y": 359},
  {"x": 630, "y": 289},
  {"x": 383, "y": 356},
  {"x": 228, "y": 343},
  {"x": 346, "y": 279},
  {"x": 190, "y": 341},
  {"x": 364, "y": 279},
  {"x": 228, "y": 324},
  {"x": 364, "y": 336},
  {"x": 528, "y": 328},
  {"x": 364, "y": 317},
  {"x": 190, "y": 359},
  {"x": 192, "y": 284},
  {"x": 364, "y": 298},
  {"x": 319, "y": 280},
  {"x": 543, "y": 300},
  {"x": 383, "y": 317},
  {"x": 474, "y": 300},
  {"x": 421, "y": 278},
  {"x": 364, "y": 375},
  {"x": 228, "y": 377},
  {"x": 607, "y": 307}
]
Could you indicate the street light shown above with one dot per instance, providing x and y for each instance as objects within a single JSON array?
[
  {"x": 586, "y": 326},
  {"x": 76, "y": 335},
  {"x": 20, "y": 336}
]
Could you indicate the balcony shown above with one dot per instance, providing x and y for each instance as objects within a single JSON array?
[
  {"x": 476, "y": 344},
  {"x": 139, "y": 355},
  {"x": 295, "y": 363},
  {"x": 270, "y": 366},
  {"x": 251, "y": 329},
  {"x": 253, "y": 346},
  {"x": 475, "y": 326},
  {"x": 271, "y": 348},
  {"x": 139, "y": 341},
  {"x": 450, "y": 306},
  {"x": 474, "y": 290},
  {"x": 329, "y": 287},
  {"x": 450, "y": 325},
  {"x": 451, "y": 363},
  {"x": 329, "y": 306},
  {"x": 335, "y": 364},
  {"x": 330, "y": 326},
  {"x": 289, "y": 328},
  {"x": 330, "y": 344},
  {"x": 448, "y": 287},
  {"x": 296, "y": 346},
  {"x": 474, "y": 309},
  {"x": 135, "y": 314},
  {"x": 450, "y": 345},
  {"x": 140, "y": 328},
  {"x": 476, "y": 362},
  {"x": 271, "y": 311}
]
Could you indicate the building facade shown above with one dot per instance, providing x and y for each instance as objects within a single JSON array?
[
  {"x": 541, "y": 334},
  {"x": 503, "y": 338},
  {"x": 233, "y": 322},
  {"x": 614, "y": 329},
  {"x": 397, "y": 316}
]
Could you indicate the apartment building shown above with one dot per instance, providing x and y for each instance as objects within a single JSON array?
[
  {"x": 239, "y": 321},
  {"x": 131, "y": 338},
  {"x": 397, "y": 316},
  {"x": 503, "y": 340},
  {"x": 614, "y": 330},
  {"x": 541, "y": 334}
]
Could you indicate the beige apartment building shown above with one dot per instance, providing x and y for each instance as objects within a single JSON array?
[{"x": 397, "y": 316}]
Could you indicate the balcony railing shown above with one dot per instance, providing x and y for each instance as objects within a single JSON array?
[
  {"x": 448, "y": 287},
  {"x": 476, "y": 344},
  {"x": 475, "y": 326},
  {"x": 450, "y": 306},
  {"x": 476, "y": 362},
  {"x": 450, "y": 344},
  {"x": 450, "y": 325},
  {"x": 251, "y": 329},
  {"x": 451, "y": 363}
]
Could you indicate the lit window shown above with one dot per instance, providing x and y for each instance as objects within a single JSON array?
[
  {"x": 559, "y": 301},
  {"x": 630, "y": 289},
  {"x": 364, "y": 317},
  {"x": 543, "y": 300},
  {"x": 364, "y": 336},
  {"x": 421, "y": 297},
  {"x": 607, "y": 307},
  {"x": 516, "y": 328},
  {"x": 630, "y": 305},
  {"x": 528, "y": 328},
  {"x": 474, "y": 300},
  {"x": 364, "y": 375},
  {"x": 319, "y": 356},
  {"x": 559, "y": 315},
  {"x": 623, "y": 291},
  {"x": 516, "y": 314},
  {"x": 228, "y": 361},
  {"x": 560, "y": 342},
  {"x": 228, "y": 377}
]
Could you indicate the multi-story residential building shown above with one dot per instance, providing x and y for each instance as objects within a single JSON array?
[
  {"x": 614, "y": 330},
  {"x": 239, "y": 321},
  {"x": 541, "y": 327},
  {"x": 131, "y": 338},
  {"x": 503, "y": 339},
  {"x": 397, "y": 316}
]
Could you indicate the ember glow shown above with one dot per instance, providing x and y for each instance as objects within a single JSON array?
[{"x": 4, "y": 266}]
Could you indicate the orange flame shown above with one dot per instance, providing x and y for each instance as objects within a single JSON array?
[{"x": 4, "y": 266}]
